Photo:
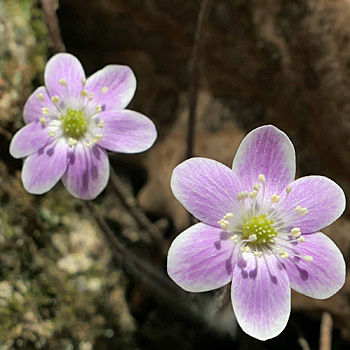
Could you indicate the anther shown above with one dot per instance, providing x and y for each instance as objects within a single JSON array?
[
  {"x": 258, "y": 254},
  {"x": 252, "y": 238},
  {"x": 256, "y": 187},
  {"x": 97, "y": 138},
  {"x": 83, "y": 81},
  {"x": 303, "y": 211},
  {"x": 262, "y": 178},
  {"x": 104, "y": 89},
  {"x": 100, "y": 124},
  {"x": 253, "y": 194},
  {"x": 308, "y": 258},
  {"x": 40, "y": 96},
  {"x": 275, "y": 198},
  {"x": 84, "y": 93},
  {"x": 42, "y": 120},
  {"x": 295, "y": 232},
  {"x": 72, "y": 142},
  {"x": 98, "y": 108},
  {"x": 301, "y": 239},
  {"x": 45, "y": 111},
  {"x": 297, "y": 209},
  {"x": 55, "y": 99},
  {"x": 91, "y": 96},
  {"x": 51, "y": 133},
  {"x": 63, "y": 82},
  {"x": 288, "y": 189},
  {"x": 89, "y": 144}
]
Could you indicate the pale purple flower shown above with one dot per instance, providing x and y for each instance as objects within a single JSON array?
[
  {"x": 72, "y": 121},
  {"x": 259, "y": 229}
]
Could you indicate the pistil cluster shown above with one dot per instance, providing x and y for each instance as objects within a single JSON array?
[
  {"x": 73, "y": 123},
  {"x": 259, "y": 231}
]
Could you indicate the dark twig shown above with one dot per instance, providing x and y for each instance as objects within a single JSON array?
[
  {"x": 49, "y": 7},
  {"x": 135, "y": 211},
  {"x": 194, "y": 76},
  {"x": 326, "y": 332},
  {"x": 178, "y": 299},
  {"x": 51, "y": 21},
  {"x": 131, "y": 260}
]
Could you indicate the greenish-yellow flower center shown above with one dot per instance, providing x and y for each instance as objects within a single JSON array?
[
  {"x": 74, "y": 123},
  {"x": 260, "y": 226}
]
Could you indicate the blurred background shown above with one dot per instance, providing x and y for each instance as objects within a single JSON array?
[{"x": 275, "y": 61}]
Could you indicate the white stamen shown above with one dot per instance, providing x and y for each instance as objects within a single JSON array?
[
  {"x": 297, "y": 209},
  {"x": 84, "y": 93},
  {"x": 303, "y": 211},
  {"x": 100, "y": 124},
  {"x": 89, "y": 144},
  {"x": 256, "y": 187},
  {"x": 45, "y": 111},
  {"x": 42, "y": 120},
  {"x": 275, "y": 198},
  {"x": 252, "y": 238},
  {"x": 288, "y": 189},
  {"x": 97, "y": 138},
  {"x": 91, "y": 96},
  {"x": 51, "y": 133},
  {"x": 308, "y": 258},
  {"x": 40, "y": 96},
  {"x": 98, "y": 108},
  {"x": 72, "y": 142},
  {"x": 301, "y": 239},
  {"x": 262, "y": 178},
  {"x": 55, "y": 99}
]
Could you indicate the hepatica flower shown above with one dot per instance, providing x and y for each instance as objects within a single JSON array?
[
  {"x": 259, "y": 229},
  {"x": 72, "y": 121}
]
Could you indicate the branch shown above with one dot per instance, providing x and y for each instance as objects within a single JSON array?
[
  {"x": 135, "y": 211},
  {"x": 51, "y": 21},
  {"x": 326, "y": 332},
  {"x": 194, "y": 75}
]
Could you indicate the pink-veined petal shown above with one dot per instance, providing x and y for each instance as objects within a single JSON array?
[
  {"x": 29, "y": 140},
  {"x": 126, "y": 131},
  {"x": 120, "y": 82},
  {"x": 323, "y": 198},
  {"x": 206, "y": 188},
  {"x": 33, "y": 108},
  {"x": 199, "y": 259},
  {"x": 260, "y": 295},
  {"x": 320, "y": 278},
  {"x": 43, "y": 169},
  {"x": 68, "y": 67},
  {"x": 87, "y": 173},
  {"x": 268, "y": 151}
]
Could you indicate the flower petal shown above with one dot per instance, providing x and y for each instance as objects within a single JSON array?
[
  {"x": 206, "y": 188},
  {"x": 126, "y": 131},
  {"x": 29, "y": 140},
  {"x": 87, "y": 173},
  {"x": 322, "y": 197},
  {"x": 68, "y": 67},
  {"x": 199, "y": 259},
  {"x": 268, "y": 151},
  {"x": 42, "y": 170},
  {"x": 121, "y": 84},
  {"x": 260, "y": 295},
  {"x": 322, "y": 277},
  {"x": 32, "y": 110}
]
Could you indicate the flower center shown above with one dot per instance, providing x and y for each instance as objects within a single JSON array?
[
  {"x": 74, "y": 123},
  {"x": 260, "y": 232},
  {"x": 260, "y": 226}
]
